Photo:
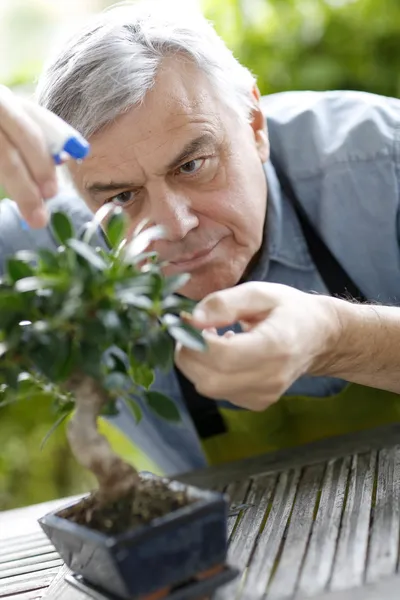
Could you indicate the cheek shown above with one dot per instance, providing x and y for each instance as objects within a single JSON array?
[{"x": 239, "y": 207}]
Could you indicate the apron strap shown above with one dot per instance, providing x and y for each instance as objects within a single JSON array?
[{"x": 338, "y": 282}]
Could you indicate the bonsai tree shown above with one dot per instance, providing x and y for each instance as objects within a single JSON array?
[{"x": 89, "y": 326}]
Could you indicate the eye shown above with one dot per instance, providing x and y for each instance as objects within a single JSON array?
[
  {"x": 123, "y": 199},
  {"x": 192, "y": 166}
]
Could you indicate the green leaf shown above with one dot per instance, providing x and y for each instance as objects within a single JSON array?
[
  {"x": 118, "y": 382},
  {"x": 116, "y": 228},
  {"x": 162, "y": 406},
  {"x": 141, "y": 373},
  {"x": 48, "y": 261},
  {"x": 140, "y": 242},
  {"x": 62, "y": 227},
  {"x": 139, "y": 353},
  {"x": 138, "y": 284},
  {"x": 10, "y": 301},
  {"x": 174, "y": 283},
  {"x": 62, "y": 406},
  {"x": 178, "y": 304},
  {"x": 90, "y": 357},
  {"x": 88, "y": 253},
  {"x": 184, "y": 333},
  {"x": 9, "y": 376},
  {"x": 110, "y": 409},
  {"x": 133, "y": 299},
  {"x": 52, "y": 429},
  {"x": 144, "y": 257},
  {"x": 157, "y": 286},
  {"x": 115, "y": 360},
  {"x": 33, "y": 284},
  {"x": 109, "y": 319},
  {"x": 55, "y": 355},
  {"x": 27, "y": 256},
  {"x": 18, "y": 269},
  {"x": 160, "y": 349},
  {"x": 135, "y": 408},
  {"x": 67, "y": 362}
]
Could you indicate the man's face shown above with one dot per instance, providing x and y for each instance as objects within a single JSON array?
[{"x": 185, "y": 161}]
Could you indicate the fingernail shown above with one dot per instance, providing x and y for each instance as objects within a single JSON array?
[
  {"x": 199, "y": 315},
  {"x": 49, "y": 189},
  {"x": 229, "y": 334},
  {"x": 39, "y": 217},
  {"x": 210, "y": 331},
  {"x": 186, "y": 316}
]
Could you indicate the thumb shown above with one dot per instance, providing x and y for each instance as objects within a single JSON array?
[{"x": 246, "y": 302}]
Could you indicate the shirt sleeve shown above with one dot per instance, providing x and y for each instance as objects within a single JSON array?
[{"x": 341, "y": 153}]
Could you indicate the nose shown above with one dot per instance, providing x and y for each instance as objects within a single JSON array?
[{"x": 172, "y": 211}]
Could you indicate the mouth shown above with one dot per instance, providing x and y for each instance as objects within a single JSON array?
[{"x": 194, "y": 261}]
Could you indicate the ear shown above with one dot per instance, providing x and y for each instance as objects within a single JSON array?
[{"x": 259, "y": 126}]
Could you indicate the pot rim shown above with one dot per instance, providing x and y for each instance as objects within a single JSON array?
[{"x": 203, "y": 500}]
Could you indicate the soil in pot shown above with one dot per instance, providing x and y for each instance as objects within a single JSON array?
[{"x": 152, "y": 498}]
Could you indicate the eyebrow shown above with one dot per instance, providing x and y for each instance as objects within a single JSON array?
[{"x": 206, "y": 141}]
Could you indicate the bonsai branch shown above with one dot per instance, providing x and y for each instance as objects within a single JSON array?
[{"x": 115, "y": 477}]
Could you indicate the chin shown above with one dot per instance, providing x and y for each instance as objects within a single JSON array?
[{"x": 201, "y": 286}]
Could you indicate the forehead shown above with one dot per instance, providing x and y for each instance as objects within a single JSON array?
[{"x": 181, "y": 102}]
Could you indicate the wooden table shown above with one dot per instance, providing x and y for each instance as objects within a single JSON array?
[{"x": 324, "y": 522}]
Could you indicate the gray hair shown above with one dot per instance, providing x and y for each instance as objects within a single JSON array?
[{"x": 110, "y": 65}]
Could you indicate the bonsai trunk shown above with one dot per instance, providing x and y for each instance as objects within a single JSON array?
[{"x": 115, "y": 477}]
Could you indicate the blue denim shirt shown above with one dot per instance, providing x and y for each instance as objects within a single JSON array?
[{"x": 341, "y": 152}]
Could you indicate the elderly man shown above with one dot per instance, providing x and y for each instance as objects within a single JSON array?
[{"x": 300, "y": 189}]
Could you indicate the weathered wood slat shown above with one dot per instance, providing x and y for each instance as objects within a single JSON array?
[
  {"x": 10, "y": 545},
  {"x": 246, "y": 533},
  {"x": 31, "y": 568},
  {"x": 284, "y": 579},
  {"x": 17, "y": 539},
  {"x": 247, "y": 530},
  {"x": 33, "y": 595},
  {"x": 385, "y": 589},
  {"x": 237, "y": 492},
  {"x": 267, "y": 548},
  {"x": 318, "y": 563},
  {"x": 60, "y": 589},
  {"x": 30, "y": 553},
  {"x": 41, "y": 546},
  {"x": 27, "y": 582},
  {"x": 28, "y": 561},
  {"x": 384, "y": 541},
  {"x": 352, "y": 548}
]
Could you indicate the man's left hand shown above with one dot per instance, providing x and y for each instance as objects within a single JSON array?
[{"x": 286, "y": 333}]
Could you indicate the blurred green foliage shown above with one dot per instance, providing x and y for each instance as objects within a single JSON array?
[
  {"x": 28, "y": 472},
  {"x": 314, "y": 44},
  {"x": 288, "y": 44}
]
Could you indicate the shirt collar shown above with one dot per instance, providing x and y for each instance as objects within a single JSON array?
[{"x": 284, "y": 240}]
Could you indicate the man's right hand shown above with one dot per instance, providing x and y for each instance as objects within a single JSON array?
[{"x": 27, "y": 170}]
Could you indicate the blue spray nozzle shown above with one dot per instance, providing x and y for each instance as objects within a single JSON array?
[{"x": 77, "y": 147}]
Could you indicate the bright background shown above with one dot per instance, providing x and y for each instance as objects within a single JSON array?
[{"x": 288, "y": 44}]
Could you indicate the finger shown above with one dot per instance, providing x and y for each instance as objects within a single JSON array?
[
  {"x": 247, "y": 301},
  {"x": 229, "y": 334},
  {"x": 242, "y": 388},
  {"x": 24, "y": 133},
  {"x": 19, "y": 185},
  {"x": 210, "y": 331},
  {"x": 222, "y": 355}
]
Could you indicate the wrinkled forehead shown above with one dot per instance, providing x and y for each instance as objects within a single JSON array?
[
  {"x": 181, "y": 93},
  {"x": 181, "y": 105}
]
